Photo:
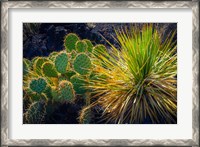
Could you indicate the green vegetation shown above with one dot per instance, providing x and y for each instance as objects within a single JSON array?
[
  {"x": 132, "y": 84},
  {"x": 139, "y": 79},
  {"x": 57, "y": 78}
]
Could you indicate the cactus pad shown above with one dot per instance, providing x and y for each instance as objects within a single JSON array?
[
  {"x": 69, "y": 74},
  {"x": 70, "y": 41},
  {"x": 55, "y": 93},
  {"x": 81, "y": 46},
  {"x": 26, "y": 66},
  {"x": 78, "y": 84},
  {"x": 82, "y": 64},
  {"x": 62, "y": 77},
  {"x": 36, "y": 113},
  {"x": 49, "y": 70},
  {"x": 85, "y": 116},
  {"x": 47, "y": 92},
  {"x": 99, "y": 49},
  {"x": 61, "y": 62},
  {"x": 28, "y": 62},
  {"x": 38, "y": 85},
  {"x": 38, "y": 64},
  {"x": 27, "y": 101},
  {"x": 66, "y": 90},
  {"x": 89, "y": 45},
  {"x": 73, "y": 54},
  {"x": 34, "y": 96},
  {"x": 37, "y": 97},
  {"x": 52, "y": 56},
  {"x": 34, "y": 59}
]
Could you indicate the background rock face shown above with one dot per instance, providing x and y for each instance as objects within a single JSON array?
[{"x": 44, "y": 38}]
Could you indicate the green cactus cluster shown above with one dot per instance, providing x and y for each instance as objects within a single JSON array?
[
  {"x": 82, "y": 64},
  {"x": 89, "y": 45},
  {"x": 26, "y": 66},
  {"x": 49, "y": 70},
  {"x": 78, "y": 83},
  {"x": 66, "y": 90},
  {"x": 61, "y": 62},
  {"x": 35, "y": 113},
  {"x": 70, "y": 42},
  {"x": 38, "y": 63},
  {"x": 38, "y": 85},
  {"x": 60, "y": 77},
  {"x": 81, "y": 46}
]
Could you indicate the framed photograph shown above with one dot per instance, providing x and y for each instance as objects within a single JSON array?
[{"x": 99, "y": 73}]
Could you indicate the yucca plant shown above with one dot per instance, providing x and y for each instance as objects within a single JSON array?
[{"x": 137, "y": 83}]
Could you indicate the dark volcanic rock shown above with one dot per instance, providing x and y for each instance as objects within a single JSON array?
[
  {"x": 51, "y": 35},
  {"x": 63, "y": 113},
  {"x": 46, "y": 41},
  {"x": 55, "y": 38},
  {"x": 35, "y": 46}
]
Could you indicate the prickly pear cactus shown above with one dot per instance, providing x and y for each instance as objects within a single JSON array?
[
  {"x": 48, "y": 92},
  {"x": 85, "y": 116},
  {"x": 69, "y": 74},
  {"x": 62, "y": 77},
  {"x": 66, "y": 90},
  {"x": 27, "y": 101},
  {"x": 89, "y": 45},
  {"x": 49, "y": 70},
  {"x": 55, "y": 93},
  {"x": 61, "y": 62},
  {"x": 73, "y": 55},
  {"x": 43, "y": 97},
  {"x": 34, "y": 59},
  {"x": 26, "y": 66},
  {"x": 70, "y": 41},
  {"x": 52, "y": 56},
  {"x": 57, "y": 79},
  {"x": 36, "y": 113},
  {"x": 38, "y": 85},
  {"x": 81, "y": 46},
  {"x": 99, "y": 49},
  {"x": 37, "y": 97},
  {"x": 34, "y": 96},
  {"x": 78, "y": 84},
  {"x": 37, "y": 65},
  {"x": 82, "y": 64}
]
